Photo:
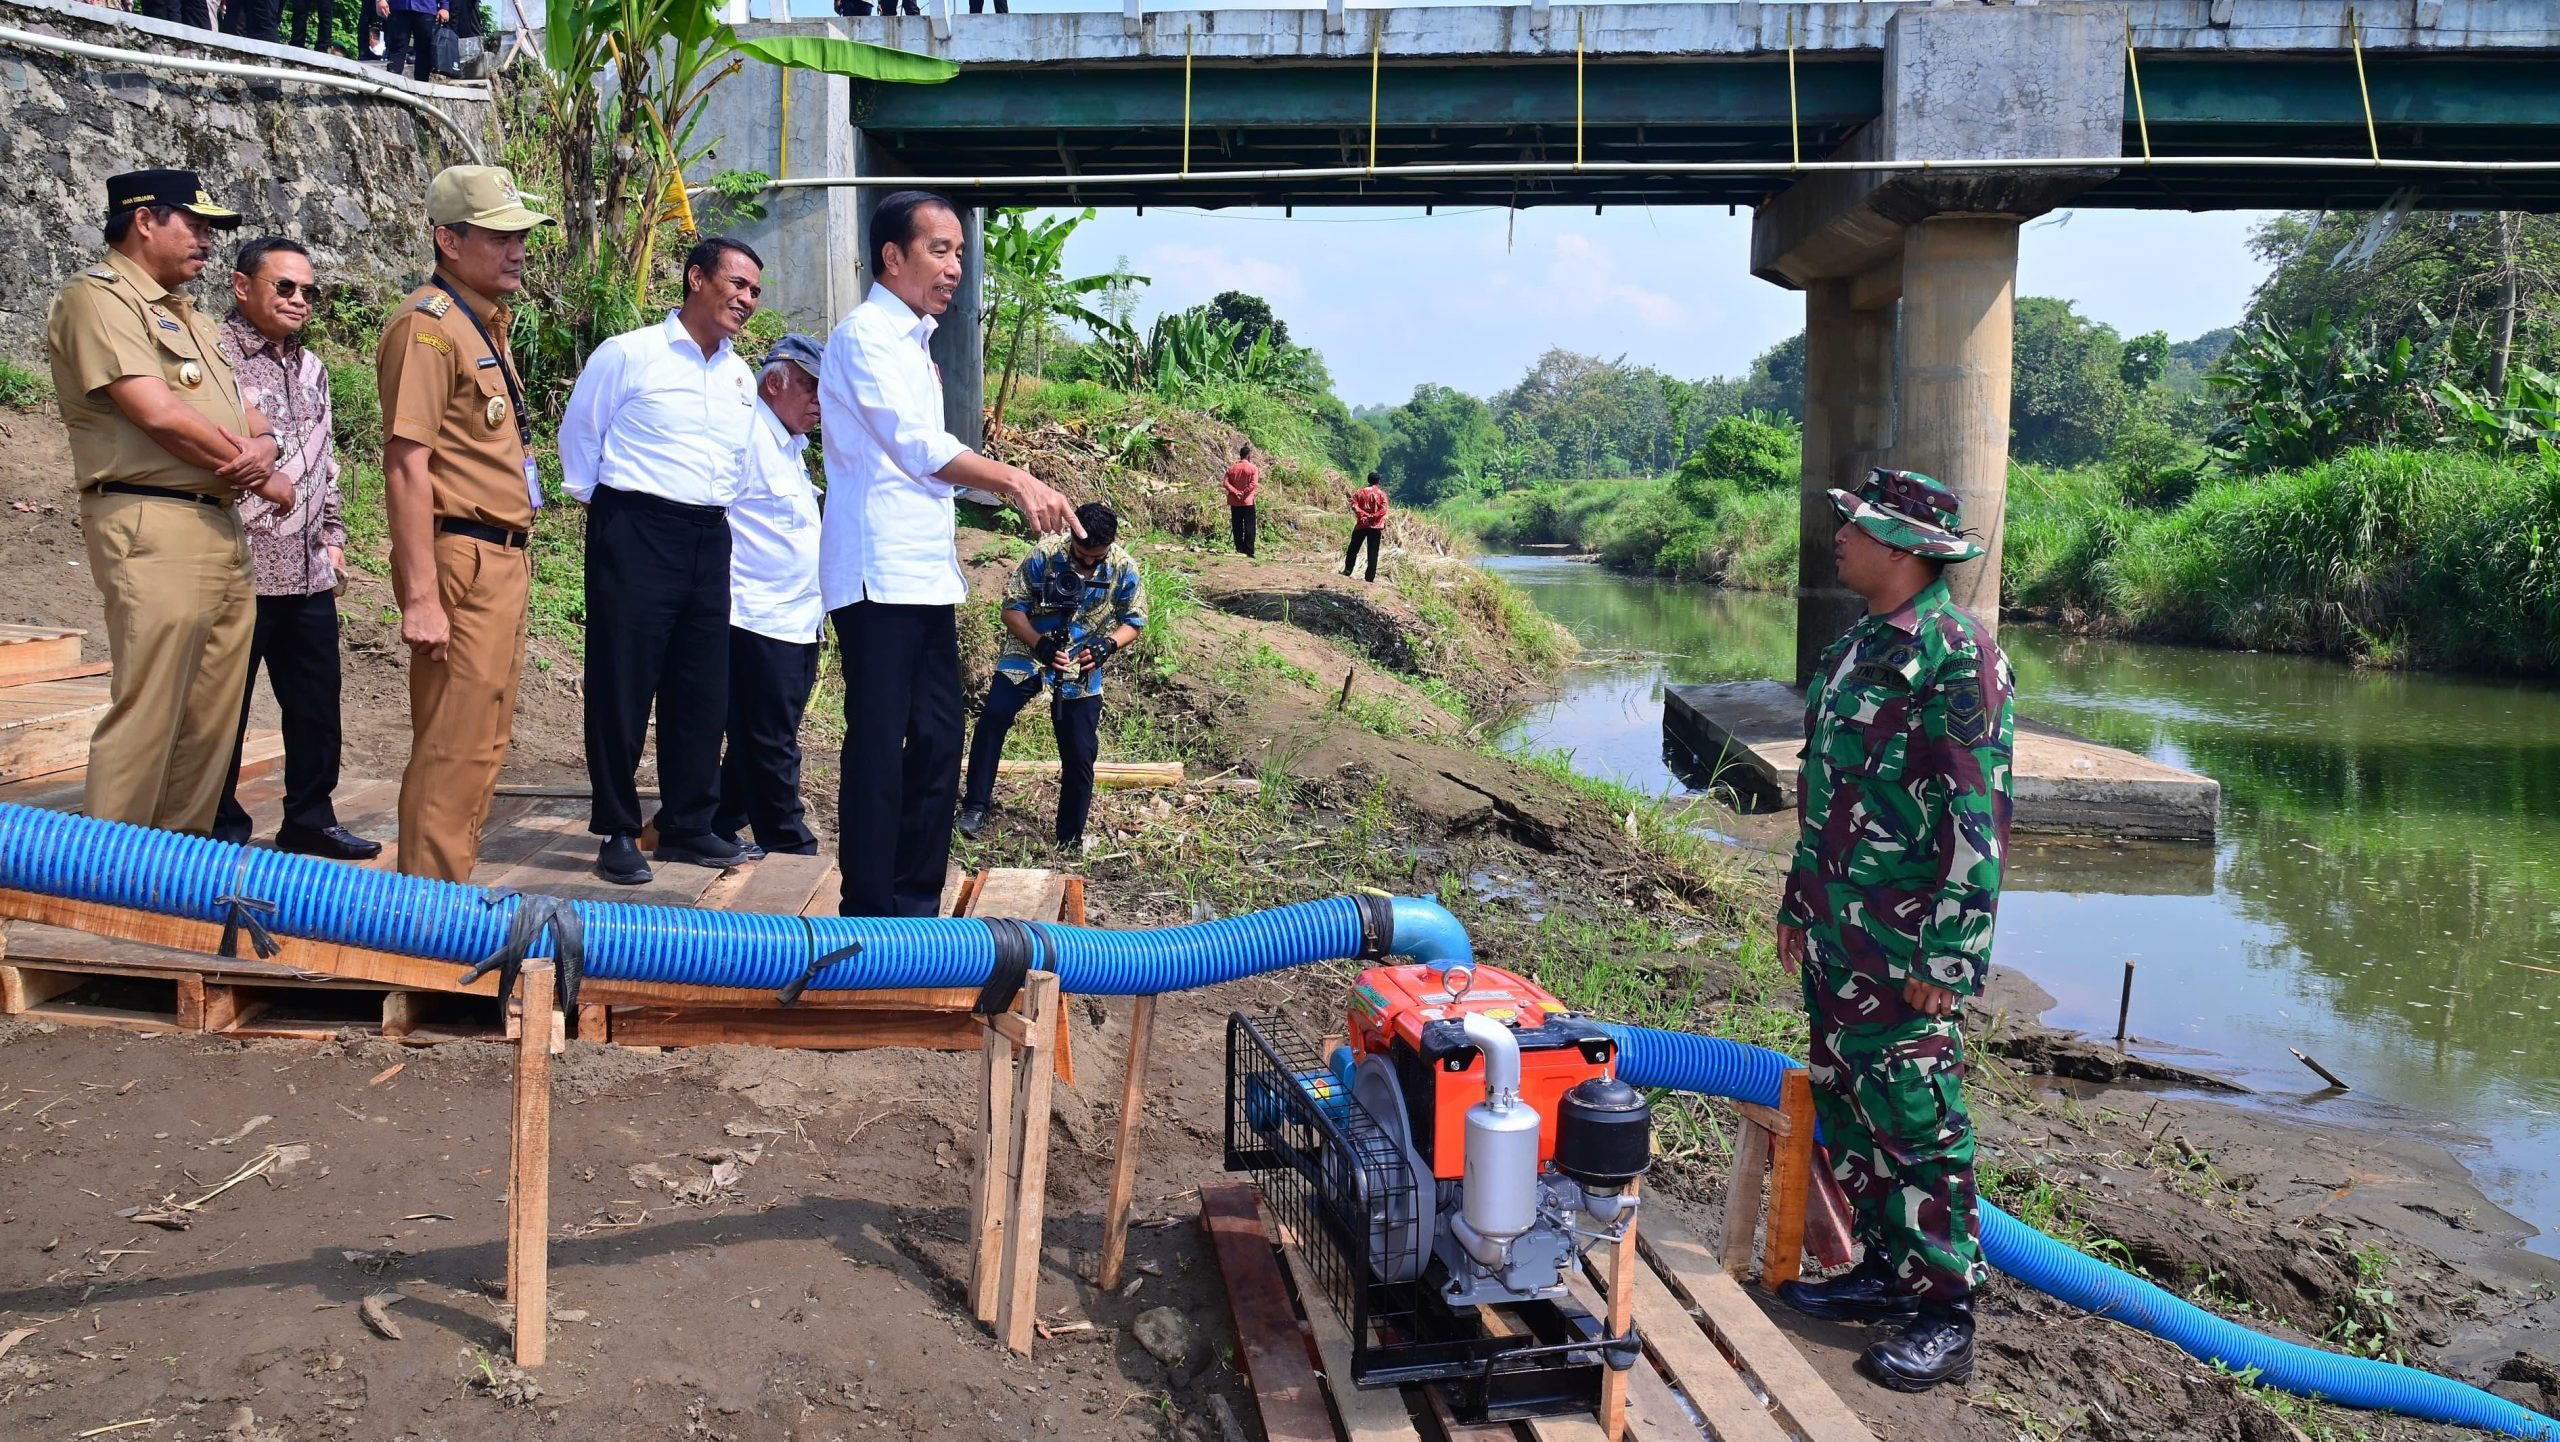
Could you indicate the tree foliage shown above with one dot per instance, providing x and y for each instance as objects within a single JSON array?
[
  {"x": 2067, "y": 386},
  {"x": 1436, "y": 445},
  {"x": 1028, "y": 284},
  {"x": 1252, "y": 314}
]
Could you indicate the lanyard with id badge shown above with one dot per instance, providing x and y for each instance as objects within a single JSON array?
[{"x": 515, "y": 395}]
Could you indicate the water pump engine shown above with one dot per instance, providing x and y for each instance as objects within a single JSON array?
[{"x": 1459, "y": 1151}]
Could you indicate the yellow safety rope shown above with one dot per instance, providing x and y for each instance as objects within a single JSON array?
[
  {"x": 1577, "y": 90},
  {"x": 2355, "y": 39},
  {"x": 1795, "y": 128},
  {"x": 782, "y": 153},
  {"x": 1186, "y": 100},
  {"x": 1377, "y": 37},
  {"x": 2141, "y": 116}
]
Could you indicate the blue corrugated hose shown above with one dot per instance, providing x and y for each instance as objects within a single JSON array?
[{"x": 131, "y": 866}]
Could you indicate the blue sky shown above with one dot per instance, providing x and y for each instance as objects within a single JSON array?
[{"x": 1471, "y": 299}]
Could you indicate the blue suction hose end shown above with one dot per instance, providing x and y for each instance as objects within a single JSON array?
[{"x": 1425, "y": 931}]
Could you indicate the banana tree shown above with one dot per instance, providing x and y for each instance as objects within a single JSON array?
[
  {"x": 1027, "y": 261},
  {"x": 625, "y": 83}
]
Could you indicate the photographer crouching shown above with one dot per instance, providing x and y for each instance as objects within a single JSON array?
[{"x": 1071, "y": 605}]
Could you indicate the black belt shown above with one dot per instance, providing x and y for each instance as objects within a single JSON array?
[
  {"x": 494, "y": 535},
  {"x": 642, "y": 500},
  {"x": 161, "y": 493}
]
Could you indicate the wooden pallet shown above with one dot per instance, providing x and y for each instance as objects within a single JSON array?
[
  {"x": 42, "y": 653},
  {"x": 1714, "y": 1366}
]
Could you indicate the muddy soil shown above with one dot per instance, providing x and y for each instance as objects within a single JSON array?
[{"x": 752, "y": 1244}]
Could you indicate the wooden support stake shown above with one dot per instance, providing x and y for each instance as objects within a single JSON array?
[
  {"x": 987, "y": 1210},
  {"x": 1742, "y": 1195},
  {"x": 529, "y": 1170},
  {"x": 1790, "y": 1181},
  {"x": 1622, "y": 1276},
  {"x": 1028, "y": 1181},
  {"x": 1124, "y": 1162}
]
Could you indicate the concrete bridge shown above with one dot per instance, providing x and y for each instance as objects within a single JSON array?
[{"x": 1908, "y": 273}]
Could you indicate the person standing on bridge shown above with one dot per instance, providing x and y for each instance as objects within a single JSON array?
[
  {"x": 889, "y": 560},
  {"x": 1903, "y": 821},
  {"x": 1243, "y": 484},
  {"x": 1368, "y": 524}
]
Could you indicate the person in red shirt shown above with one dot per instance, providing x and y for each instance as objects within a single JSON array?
[
  {"x": 1368, "y": 523},
  {"x": 1244, "y": 483}
]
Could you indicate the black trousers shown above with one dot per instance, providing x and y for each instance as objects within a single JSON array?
[
  {"x": 1000, "y": 10},
  {"x": 901, "y": 764},
  {"x": 257, "y": 18},
  {"x": 1363, "y": 535},
  {"x": 178, "y": 12},
  {"x": 411, "y": 34},
  {"x": 657, "y": 631},
  {"x": 1079, "y": 727},
  {"x": 1240, "y": 521},
  {"x": 308, "y": 22},
  {"x": 769, "y": 683},
  {"x": 296, "y": 639}
]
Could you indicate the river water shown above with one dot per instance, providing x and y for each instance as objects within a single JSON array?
[{"x": 2385, "y": 893}]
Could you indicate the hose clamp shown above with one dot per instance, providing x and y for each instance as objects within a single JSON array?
[
  {"x": 536, "y": 914},
  {"x": 1377, "y": 924},
  {"x": 243, "y": 912},
  {"x": 817, "y": 963},
  {"x": 1015, "y": 950}
]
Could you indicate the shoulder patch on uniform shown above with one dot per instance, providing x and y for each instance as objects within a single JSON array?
[
  {"x": 102, "y": 273},
  {"x": 430, "y": 338},
  {"x": 436, "y": 304},
  {"x": 1969, "y": 719}
]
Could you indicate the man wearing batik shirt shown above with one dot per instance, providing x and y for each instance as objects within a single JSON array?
[
  {"x": 1070, "y": 607},
  {"x": 299, "y": 556},
  {"x": 1903, "y": 822}
]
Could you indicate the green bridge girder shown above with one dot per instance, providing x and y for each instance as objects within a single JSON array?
[{"x": 1095, "y": 121}]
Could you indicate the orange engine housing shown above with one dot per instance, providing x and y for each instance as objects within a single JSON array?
[{"x": 1408, "y": 1015}]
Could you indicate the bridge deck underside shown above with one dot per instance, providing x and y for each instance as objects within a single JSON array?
[{"x": 1098, "y": 123}]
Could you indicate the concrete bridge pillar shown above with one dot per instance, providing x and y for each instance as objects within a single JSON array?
[
  {"x": 959, "y": 344},
  {"x": 1959, "y": 284},
  {"x": 802, "y": 126},
  {"x": 1960, "y": 83},
  {"x": 1848, "y": 422}
]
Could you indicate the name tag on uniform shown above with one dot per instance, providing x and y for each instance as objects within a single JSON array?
[
  {"x": 487, "y": 363},
  {"x": 168, "y": 324}
]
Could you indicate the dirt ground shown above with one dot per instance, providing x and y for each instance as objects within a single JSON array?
[{"x": 764, "y": 1245}]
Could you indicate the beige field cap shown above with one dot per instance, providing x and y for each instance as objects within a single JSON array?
[{"x": 481, "y": 195}]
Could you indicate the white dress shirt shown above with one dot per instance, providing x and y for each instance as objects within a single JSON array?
[
  {"x": 889, "y": 529},
  {"x": 773, "y": 538},
  {"x": 654, "y": 415}
]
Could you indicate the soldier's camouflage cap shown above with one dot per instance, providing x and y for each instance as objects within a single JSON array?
[
  {"x": 481, "y": 195},
  {"x": 1909, "y": 512}
]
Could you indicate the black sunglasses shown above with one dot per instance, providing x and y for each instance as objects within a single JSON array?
[{"x": 286, "y": 289}]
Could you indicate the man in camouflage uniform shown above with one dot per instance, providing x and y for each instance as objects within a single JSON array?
[{"x": 1904, "y": 818}]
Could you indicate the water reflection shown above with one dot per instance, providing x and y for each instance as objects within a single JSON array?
[{"x": 2385, "y": 894}]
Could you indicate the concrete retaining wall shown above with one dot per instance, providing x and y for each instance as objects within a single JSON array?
[{"x": 344, "y": 174}]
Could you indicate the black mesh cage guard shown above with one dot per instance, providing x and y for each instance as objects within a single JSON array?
[{"x": 1342, "y": 1195}]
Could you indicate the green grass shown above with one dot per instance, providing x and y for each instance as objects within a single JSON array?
[{"x": 22, "y": 389}]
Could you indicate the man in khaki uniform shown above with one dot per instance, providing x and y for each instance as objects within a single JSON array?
[
  {"x": 161, "y": 443},
  {"x": 460, "y": 488}
]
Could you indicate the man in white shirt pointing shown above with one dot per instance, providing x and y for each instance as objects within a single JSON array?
[
  {"x": 775, "y": 616},
  {"x": 889, "y": 565},
  {"x": 655, "y": 441}
]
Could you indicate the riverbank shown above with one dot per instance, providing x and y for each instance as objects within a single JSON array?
[{"x": 814, "y": 1296}]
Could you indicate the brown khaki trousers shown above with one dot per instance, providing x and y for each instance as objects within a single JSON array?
[
  {"x": 181, "y": 601},
  {"x": 462, "y": 709}
]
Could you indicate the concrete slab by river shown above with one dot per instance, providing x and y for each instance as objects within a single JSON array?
[{"x": 1746, "y": 734}]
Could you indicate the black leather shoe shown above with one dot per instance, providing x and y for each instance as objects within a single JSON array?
[
  {"x": 1867, "y": 1292},
  {"x": 973, "y": 819},
  {"x": 1937, "y": 1347},
  {"x": 336, "y": 843},
  {"x": 707, "y": 849},
  {"x": 618, "y": 861},
  {"x": 747, "y": 850}
]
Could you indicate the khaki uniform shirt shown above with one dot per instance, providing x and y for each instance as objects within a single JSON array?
[
  {"x": 113, "y": 321},
  {"x": 444, "y": 389}
]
